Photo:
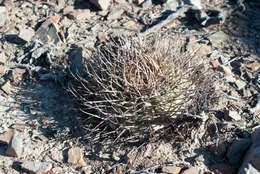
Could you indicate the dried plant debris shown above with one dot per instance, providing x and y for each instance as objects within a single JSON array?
[{"x": 136, "y": 86}]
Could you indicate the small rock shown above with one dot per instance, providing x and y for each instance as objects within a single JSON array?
[
  {"x": 199, "y": 49},
  {"x": 171, "y": 169},
  {"x": 49, "y": 31},
  {"x": 26, "y": 34},
  {"x": 147, "y": 4},
  {"x": 253, "y": 66},
  {"x": 234, "y": 115},
  {"x": 75, "y": 156},
  {"x": 56, "y": 170},
  {"x": 191, "y": 170},
  {"x": 2, "y": 57},
  {"x": 101, "y": 4},
  {"x": 7, "y": 87},
  {"x": 17, "y": 75},
  {"x": 223, "y": 168},
  {"x": 240, "y": 84},
  {"x": 36, "y": 167},
  {"x": 15, "y": 147},
  {"x": 237, "y": 150},
  {"x": 215, "y": 63},
  {"x": 86, "y": 170},
  {"x": 115, "y": 156},
  {"x": 3, "y": 15},
  {"x": 129, "y": 24},
  {"x": 115, "y": 13},
  {"x": 217, "y": 38},
  {"x": 80, "y": 14},
  {"x": 7, "y": 136},
  {"x": 171, "y": 5}
]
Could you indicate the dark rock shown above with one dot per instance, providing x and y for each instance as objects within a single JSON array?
[
  {"x": 251, "y": 163},
  {"x": 223, "y": 168},
  {"x": 237, "y": 150}
]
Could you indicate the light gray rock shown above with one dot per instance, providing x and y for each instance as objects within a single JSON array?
[
  {"x": 147, "y": 4},
  {"x": 26, "y": 34},
  {"x": 115, "y": 13},
  {"x": 15, "y": 147},
  {"x": 36, "y": 167},
  {"x": 3, "y": 15},
  {"x": 102, "y": 4},
  {"x": 171, "y": 5},
  {"x": 217, "y": 38}
]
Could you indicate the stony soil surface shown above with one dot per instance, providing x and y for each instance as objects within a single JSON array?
[{"x": 39, "y": 128}]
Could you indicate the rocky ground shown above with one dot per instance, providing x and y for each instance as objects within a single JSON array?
[{"x": 40, "y": 130}]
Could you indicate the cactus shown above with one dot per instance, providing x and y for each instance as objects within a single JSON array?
[{"x": 137, "y": 84}]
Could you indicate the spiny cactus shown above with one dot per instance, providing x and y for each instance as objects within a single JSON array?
[{"x": 140, "y": 84}]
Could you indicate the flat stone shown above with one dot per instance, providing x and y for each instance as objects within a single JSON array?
[
  {"x": 115, "y": 13},
  {"x": 36, "y": 167},
  {"x": 191, "y": 170},
  {"x": 75, "y": 156},
  {"x": 171, "y": 169},
  {"x": 240, "y": 84},
  {"x": 26, "y": 34},
  {"x": 7, "y": 136},
  {"x": 217, "y": 38},
  {"x": 101, "y": 4},
  {"x": 15, "y": 147},
  {"x": 237, "y": 150},
  {"x": 3, "y": 15}
]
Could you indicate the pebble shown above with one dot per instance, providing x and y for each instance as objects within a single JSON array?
[
  {"x": 36, "y": 167},
  {"x": 86, "y": 170},
  {"x": 3, "y": 15},
  {"x": 171, "y": 169},
  {"x": 15, "y": 147},
  {"x": 75, "y": 156}
]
